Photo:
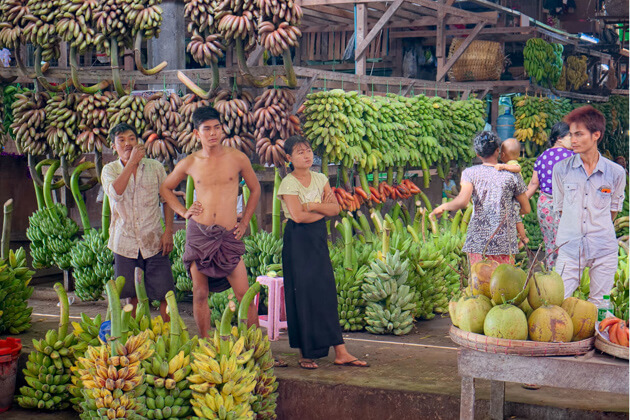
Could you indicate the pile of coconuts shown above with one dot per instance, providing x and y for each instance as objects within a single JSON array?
[{"x": 503, "y": 301}]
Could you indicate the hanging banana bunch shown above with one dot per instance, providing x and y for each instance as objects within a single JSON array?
[
  {"x": 76, "y": 25},
  {"x": 237, "y": 119},
  {"x": 128, "y": 109},
  {"x": 274, "y": 124},
  {"x": 186, "y": 139},
  {"x": 15, "y": 315},
  {"x": 62, "y": 122},
  {"x": 40, "y": 29},
  {"x": 110, "y": 22},
  {"x": 14, "y": 16},
  {"x": 543, "y": 61},
  {"x": 237, "y": 20},
  {"x": 93, "y": 123},
  {"x": 145, "y": 17},
  {"x": 206, "y": 43},
  {"x": 576, "y": 71},
  {"x": 278, "y": 28},
  {"x": 161, "y": 112},
  {"x": 29, "y": 122},
  {"x": 92, "y": 262}
]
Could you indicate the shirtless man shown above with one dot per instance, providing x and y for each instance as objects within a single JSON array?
[{"x": 213, "y": 236}]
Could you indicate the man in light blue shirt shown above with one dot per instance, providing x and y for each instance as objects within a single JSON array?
[{"x": 588, "y": 191}]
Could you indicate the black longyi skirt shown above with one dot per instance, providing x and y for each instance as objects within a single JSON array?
[{"x": 309, "y": 289}]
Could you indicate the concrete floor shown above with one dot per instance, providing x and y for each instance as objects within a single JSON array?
[{"x": 410, "y": 377}]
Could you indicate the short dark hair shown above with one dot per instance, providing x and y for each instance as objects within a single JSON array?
[
  {"x": 486, "y": 143},
  {"x": 293, "y": 141},
  {"x": 559, "y": 130},
  {"x": 592, "y": 119},
  {"x": 203, "y": 114},
  {"x": 121, "y": 128}
]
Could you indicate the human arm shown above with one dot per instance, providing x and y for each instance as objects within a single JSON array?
[
  {"x": 329, "y": 205},
  {"x": 120, "y": 183},
  {"x": 166, "y": 241},
  {"x": 557, "y": 189},
  {"x": 171, "y": 182},
  {"x": 534, "y": 183},
  {"x": 459, "y": 202},
  {"x": 524, "y": 202},
  {"x": 516, "y": 169},
  {"x": 618, "y": 193},
  {"x": 249, "y": 176},
  {"x": 298, "y": 212}
]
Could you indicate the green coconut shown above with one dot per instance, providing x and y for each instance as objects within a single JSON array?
[
  {"x": 525, "y": 307},
  {"x": 546, "y": 287},
  {"x": 550, "y": 323},
  {"x": 506, "y": 321},
  {"x": 471, "y": 313},
  {"x": 507, "y": 283}
]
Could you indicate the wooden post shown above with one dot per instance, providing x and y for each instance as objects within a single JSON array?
[
  {"x": 467, "y": 403},
  {"x": 361, "y": 31},
  {"x": 497, "y": 399},
  {"x": 62, "y": 62},
  {"x": 440, "y": 46},
  {"x": 494, "y": 110}
]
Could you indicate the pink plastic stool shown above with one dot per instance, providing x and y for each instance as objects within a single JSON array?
[{"x": 276, "y": 314}]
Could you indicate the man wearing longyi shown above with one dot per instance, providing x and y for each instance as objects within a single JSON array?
[{"x": 213, "y": 251}]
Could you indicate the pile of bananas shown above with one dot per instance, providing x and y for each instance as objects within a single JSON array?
[
  {"x": 390, "y": 300},
  {"x": 237, "y": 119},
  {"x": 29, "y": 122},
  {"x": 47, "y": 371},
  {"x": 86, "y": 334},
  {"x": 543, "y": 61},
  {"x": 576, "y": 71},
  {"x": 527, "y": 168},
  {"x": 218, "y": 302},
  {"x": 6, "y": 112},
  {"x": 263, "y": 253},
  {"x": 62, "y": 120},
  {"x": 163, "y": 119},
  {"x": 15, "y": 315},
  {"x": 183, "y": 282},
  {"x": 93, "y": 123},
  {"x": 76, "y": 26},
  {"x": 186, "y": 139},
  {"x": 92, "y": 262},
  {"x": 532, "y": 226},
  {"x": 274, "y": 124},
  {"x": 52, "y": 234},
  {"x": 14, "y": 15},
  {"x": 41, "y": 30},
  {"x": 127, "y": 109},
  {"x": 113, "y": 378},
  {"x": 620, "y": 294},
  {"x": 237, "y": 20}
]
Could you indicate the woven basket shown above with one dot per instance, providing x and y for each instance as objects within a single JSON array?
[
  {"x": 482, "y": 60},
  {"x": 518, "y": 347},
  {"x": 611, "y": 348}
]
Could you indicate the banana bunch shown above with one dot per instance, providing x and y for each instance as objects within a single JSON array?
[
  {"x": 145, "y": 16},
  {"x": 29, "y": 122},
  {"x": 576, "y": 71},
  {"x": 620, "y": 294},
  {"x": 218, "y": 302},
  {"x": 76, "y": 25},
  {"x": 113, "y": 380},
  {"x": 186, "y": 139},
  {"x": 278, "y": 28},
  {"x": 274, "y": 125},
  {"x": 206, "y": 43},
  {"x": 562, "y": 81},
  {"x": 52, "y": 234},
  {"x": 263, "y": 252},
  {"x": 6, "y": 111},
  {"x": 4, "y": 136},
  {"x": 15, "y": 315},
  {"x": 621, "y": 225},
  {"x": 161, "y": 112},
  {"x": 86, "y": 334},
  {"x": 128, "y": 109},
  {"x": 62, "y": 120},
  {"x": 390, "y": 300},
  {"x": 155, "y": 327},
  {"x": 40, "y": 29},
  {"x": 543, "y": 61},
  {"x": 527, "y": 168},
  {"x": 237, "y": 20},
  {"x": 532, "y": 226},
  {"x": 47, "y": 371},
  {"x": 616, "y": 113},
  {"x": 237, "y": 119},
  {"x": 92, "y": 262},
  {"x": 206, "y": 51},
  {"x": 200, "y": 14},
  {"x": 110, "y": 21},
  {"x": 14, "y": 16},
  {"x": 531, "y": 123},
  {"x": 183, "y": 282},
  {"x": 93, "y": 123}
]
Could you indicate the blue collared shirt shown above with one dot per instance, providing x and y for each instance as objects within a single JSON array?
[{"x": 586, "y": 203}]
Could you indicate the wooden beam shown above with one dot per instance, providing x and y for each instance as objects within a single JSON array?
[
  {"x": 408, "y": 89},
  {"x": 255, "y": 56},
  {"x": 326, "y": 16},
  {"x": 304, "y": 90},
  {"x": 361, "y": 31},
  {"x": 465, "y": 94},
  {"x": 431, "y": 4},
  {"x": 440, "y": 44},
  {"x": 458, "y": 53},
  {"x": 360, "y": 49},
  {"x": 462, "y": 32}
]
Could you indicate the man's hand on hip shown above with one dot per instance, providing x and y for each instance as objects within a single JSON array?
[
  {"x": 194, "y": 210},
  {"x": 240, "y": 230}
]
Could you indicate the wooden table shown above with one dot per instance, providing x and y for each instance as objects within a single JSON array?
[{"x": 591, "y": 372}]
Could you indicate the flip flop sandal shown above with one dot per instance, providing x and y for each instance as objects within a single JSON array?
[
  {"x": 353, "y": 363},
  {"x": 309, "y": 365},
  {"x": 280, "y": 363}
]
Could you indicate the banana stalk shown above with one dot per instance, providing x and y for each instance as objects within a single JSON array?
[
  {"x": 74, "y": 187},
  {"x": 138, "y": 59},
  {"x": 400, "y": 174},
  {"x": 105, "y": 217},
  {"x": 253, "y": 222},
  {"x": 126, "y": 317},
  {"x": 176, "y": 329},
  {"x": 347, "y": 241},
  {"x": 325, "y": 164},
  {"x": 42, "y": 79},
  {"x": 38, "y": 180},
  {"x": 276, "y": 226},
  {"x": 245, "y": 304},
  {"x": 364, "y": 182},
  {"x": 20, "y": 63},
  {"x": 74, "y": 72},
  {"x": 98, "y": 163},
  {"x": 36, "y": 176},
  {"x": 390, "y": 175},
  {"x": 6, "y": 229},
  {"x": 291, "y": 78},
  {"x": 143, "y": 300},
  {"x": 120, "y": 283},
  {"x": 225, "y": 329},
  {"x": 246, "y": 72},
  {"x": 48, "y": 198},
  {"x": 192, "y": 86},
  {"x": 64, "y": 311},
  {"x": 115, "y": 310},
  {"x": 115, "y": 68}
]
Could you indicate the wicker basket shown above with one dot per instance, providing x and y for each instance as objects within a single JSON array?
[
  {"x": 482, "y": 60},
  {"x": 519, "y": 347},
  {"x": 611, "y": 348}
]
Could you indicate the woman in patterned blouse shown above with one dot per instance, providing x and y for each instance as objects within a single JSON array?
[
  {"x": 559, "y": 149},
  {"x": 492, "y": 228}
]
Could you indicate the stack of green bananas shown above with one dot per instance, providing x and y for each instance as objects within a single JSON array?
[
  {"x": 168, "y": 394},
  {"x": 93, "y": 124},
  {"x": 86, "y": 334},
  {"x": 263, "y": 253},
  {"x": 183, "y": 282},
  {"x": 14, "y": 15},
  {"x": 29, "y": 122},
  {"x": 186, "y": 139},
  {"x": 620, "y": 294},
  {"x": 8, "y": 97},
  {"x": 576, "y": 71},
  {"x": 127, "y": 109},
  {"x": 52, "y": 234},
  {"x": 218, "y": 302},
  {"x": 92, "y": 262},
  {"x": 62, "y": 121},
  {"x": 113, "y": 379},
  {"x": 47, "y": 371},
  {"x": 527, "y": 168},
  {"x": 616, "y": 138},
  {"x": 543, "y": 61},
  {"x": 40, "y": 30},
  {"x": 532, "y": 226},
  {"x": 390, "y": 300},
  {"x": 15, "y": 315}
]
